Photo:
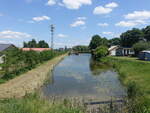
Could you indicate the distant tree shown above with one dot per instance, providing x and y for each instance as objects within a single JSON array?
[
  {"x": 147, "y": 33},
  {"x": 97, "y": 41},
  {"x": 43, "y": 44},
  {"x": 34, "y": 44},
  {"x": 115, "y": 41},
  {"x": 131, "y": 37},
  {"x": 140, "y": 46},
  {"x": 81, "y": 48}
]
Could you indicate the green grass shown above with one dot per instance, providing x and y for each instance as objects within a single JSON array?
[
  {"x": 132, "y": 70},
  {"x": 34, "y": 104}
]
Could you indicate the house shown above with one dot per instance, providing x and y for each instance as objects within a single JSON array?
[
  {"x": 144, "y": 55},
  {"x": 36, "y": 49},
  {"x": 120, "y": 51},
  {"x": 4, "y": 47}
]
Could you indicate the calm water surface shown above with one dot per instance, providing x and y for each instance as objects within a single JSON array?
[{"x": 80, "y": 76}]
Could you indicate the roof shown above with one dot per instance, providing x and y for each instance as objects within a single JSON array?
[
  {"x": 146, "y": 51},
  {"x": 112, "y": 48},
  {"x": 36, "y": 49},
  {"x": 5, "y": 46}
]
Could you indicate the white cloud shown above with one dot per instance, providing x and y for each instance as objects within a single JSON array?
[
  {"x": 62, "y": 36},
  {"x": 76, "y": 4},
  {"x": 140, "y": 15},
  {"x": 102, "y": 10},
  {"x": 108, "y": 8},
  {"x": 103, "y": 24},
  {"x": 78, "y": 23},
  {"x": 41, "y": 18},
  {"x": 8, "y": 34},
  {"x": 51, "y": 2},
  {"x": 81, "y": 18},
  {"x": 130, "y": 23},
  {"x": 108, "y": 33},
  {"x": 111, "y": 5}
]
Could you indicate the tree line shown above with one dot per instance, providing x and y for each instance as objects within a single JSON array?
[
  {"x": 138, "y": 39},
  {"x": 34, "y": 44}
]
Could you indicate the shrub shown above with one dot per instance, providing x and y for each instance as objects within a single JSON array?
[
  {"x": 140, "y": 46},
  {"x": 100, "y": 52}
]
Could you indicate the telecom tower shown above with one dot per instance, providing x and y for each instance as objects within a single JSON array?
[{"x": 52, "y": 36}]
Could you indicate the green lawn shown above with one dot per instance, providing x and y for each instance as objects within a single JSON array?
[{"x": 132, "y": 69}]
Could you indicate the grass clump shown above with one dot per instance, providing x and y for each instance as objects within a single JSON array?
[{"x": 34, "y": 104}]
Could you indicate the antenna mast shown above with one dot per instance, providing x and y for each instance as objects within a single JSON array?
[{"x": 52, "y": 36}]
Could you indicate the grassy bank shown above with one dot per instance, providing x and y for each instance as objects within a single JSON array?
[
  {"x": 34, "y": 104},
  {"x": 131, "y": 69},
  {"x": 135, "y": 75}
]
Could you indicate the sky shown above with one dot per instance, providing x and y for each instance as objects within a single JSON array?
[{"x": 75, "y": 21}]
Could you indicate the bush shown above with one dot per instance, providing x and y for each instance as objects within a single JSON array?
[
  {"x": 100, "y": 52},
  {"x": 140, "y": 46}
]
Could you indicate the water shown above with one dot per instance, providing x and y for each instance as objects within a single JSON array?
[{"x": 79, "y": 76}]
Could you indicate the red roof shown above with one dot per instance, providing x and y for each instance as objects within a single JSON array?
[{"x": 36, "y": 49}]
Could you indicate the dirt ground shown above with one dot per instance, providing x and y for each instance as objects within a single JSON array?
[{"x": 28, "y": 82}]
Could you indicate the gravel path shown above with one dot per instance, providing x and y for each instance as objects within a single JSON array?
[{"x": 28, "y": 82}]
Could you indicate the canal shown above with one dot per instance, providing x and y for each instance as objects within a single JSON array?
[{"x": 80, "y": 76}]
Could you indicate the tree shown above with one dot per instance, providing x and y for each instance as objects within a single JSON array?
[
  {"x": 97, "y": 41},
  {"x": 131, "y": 37},
  {"x": 114, "y": 41},
  {"x": 43, "y": 44},
  {"x": 140, "y": 46},
  {"x": 147, "y": 33},
  {"x": 100, "y": 52},
  {"x": 81, "y": 48}
]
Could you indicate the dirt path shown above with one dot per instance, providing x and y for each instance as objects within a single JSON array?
[{"x": 28, "y": 82}]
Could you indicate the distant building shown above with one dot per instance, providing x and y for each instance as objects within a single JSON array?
[
  {"x": 120, "y": 51},
  {"x": 4, "y": 47},
  {"x": 36, "y": 49},
  {"x": 144, "y": 55}
]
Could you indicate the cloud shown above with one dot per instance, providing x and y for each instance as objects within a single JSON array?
[
  {"x": 76, "y": 4},
  {"x": 103, "y": 24},
  {"x": 108, "y": 33},
  {"x": 130, "y": 23},
  {"x": 80, "y": 21},
  {"x": 111, "y": 5},
  {"x": 41, "y": 18},
  {"x": 62, "y": 36},
  {"x": 102, "y": 10},
  {"x": 8, "y": 34},
  {"x": 81, "y": 18},
  {"x": 108, "y": 8},
  {"x": 51, "y": 2},
  {"x": 140, "y": 15}
]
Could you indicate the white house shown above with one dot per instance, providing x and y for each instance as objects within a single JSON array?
[{"x": 120, "y": 51}]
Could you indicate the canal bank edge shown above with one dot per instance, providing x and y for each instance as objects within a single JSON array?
[{"x": 28, "y": 82}]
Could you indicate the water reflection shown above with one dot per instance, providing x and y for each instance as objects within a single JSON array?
[{"x": 80, "y": 76}]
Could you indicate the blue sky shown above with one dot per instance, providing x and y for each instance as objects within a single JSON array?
[{"x": 75, "y": 20}]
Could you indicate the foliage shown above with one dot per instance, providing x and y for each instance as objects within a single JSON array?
[
  {"x": 140, "y": 46},
  {"x": 34, "y": 44},
  {"x": 97, "y": 41},
  {"x": 100, "y": 52},
  {"x": 81, "y": 48},
  {"x": 147, "y": 33},
  {"x": 17, "y": 61},
  {"x": 129, "y": 38},
  {"x": 115, "y": 41},
  {"x": 34, "y": 104}
]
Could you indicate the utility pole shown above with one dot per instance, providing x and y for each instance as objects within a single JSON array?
[{"x": 52, "y": 36}]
